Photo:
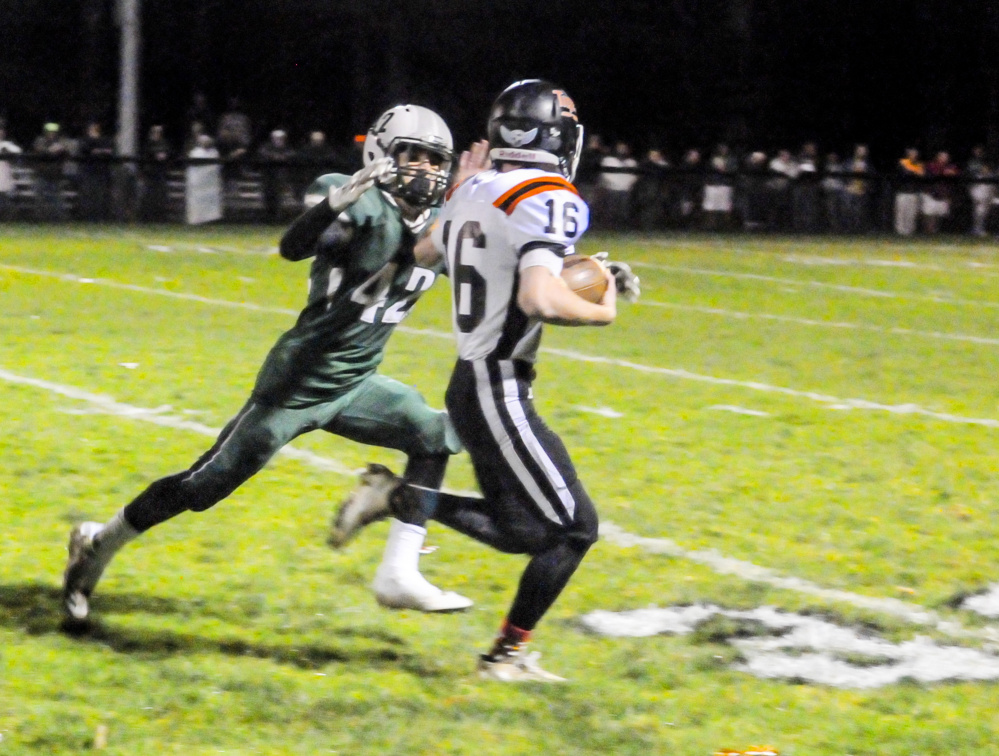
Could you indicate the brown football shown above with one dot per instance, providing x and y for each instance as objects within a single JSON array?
[{"x": 585, "y": 276}]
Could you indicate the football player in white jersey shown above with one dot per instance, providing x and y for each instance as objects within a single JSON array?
[{"x": 505, "y": 233}]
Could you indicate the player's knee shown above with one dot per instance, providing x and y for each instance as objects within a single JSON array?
[
  {"x": 584, "y": 530},
  {"x": 434, "y": 437}
]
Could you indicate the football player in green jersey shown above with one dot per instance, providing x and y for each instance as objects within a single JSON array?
[{"x": 361, "y": 232}]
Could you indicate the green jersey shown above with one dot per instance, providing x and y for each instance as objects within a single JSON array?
[{"x": 362, "y": 284}]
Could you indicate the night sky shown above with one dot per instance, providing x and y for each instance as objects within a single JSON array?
[{"x": 760, "y": 74}]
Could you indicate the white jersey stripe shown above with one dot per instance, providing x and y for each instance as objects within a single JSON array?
[
  {"x": 511, "y": 396},
  {"x": 487, "y": 402}
]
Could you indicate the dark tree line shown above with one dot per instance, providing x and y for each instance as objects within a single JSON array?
[{"x": 760, "y": 73}]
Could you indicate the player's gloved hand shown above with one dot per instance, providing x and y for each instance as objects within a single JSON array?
[
  {"x": 626, "y": 282},
  {"x": 342, "y": 197}
]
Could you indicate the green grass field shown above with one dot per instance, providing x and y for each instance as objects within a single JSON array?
[{"x": 806, "y": 425}]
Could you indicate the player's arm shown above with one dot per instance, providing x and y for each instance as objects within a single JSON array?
[
  {"x": 299, "y": 241},
  {"x": 543, "y": 295},
  {"x": 426, "y": 252},
  {"x": 327, "y": 203},
  {"x": 545, "y": 225}
]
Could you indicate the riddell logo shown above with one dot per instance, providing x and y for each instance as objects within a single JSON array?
[{"x": 509, "y": 154}]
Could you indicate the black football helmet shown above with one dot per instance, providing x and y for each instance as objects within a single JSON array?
[{"x": 533, "y": 121}]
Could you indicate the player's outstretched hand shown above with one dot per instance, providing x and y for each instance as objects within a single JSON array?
[
  {"x": 474, "y": 160},
  {"x": 342, "y": 197},
  {"x": 628, "y": 285}
]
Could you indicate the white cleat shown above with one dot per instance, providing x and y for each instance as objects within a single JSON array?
[
  {"x": 514, "y": 666},
  {"x": 83, "y": 570},
  {"x": 396, "y": 590},
  {"x": 365, "y": 504}
]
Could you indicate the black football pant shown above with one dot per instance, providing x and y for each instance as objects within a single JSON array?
[{"x": 533, "y": 502}]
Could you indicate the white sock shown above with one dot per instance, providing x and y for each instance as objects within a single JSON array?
[
  {"x": 115, "y": 534},
  {"x": 402, "y": 549}
]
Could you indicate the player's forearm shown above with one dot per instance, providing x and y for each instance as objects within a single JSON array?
[
  {"x": 425, "y": 253},
  {"x": 546, "y": 297},
  {"x": 299, "y": 241}
]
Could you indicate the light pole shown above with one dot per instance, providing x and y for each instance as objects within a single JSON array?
[{"x": 128, "y": 87}]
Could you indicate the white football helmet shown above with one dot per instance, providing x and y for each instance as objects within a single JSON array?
[{"x": 400, "y": 133}]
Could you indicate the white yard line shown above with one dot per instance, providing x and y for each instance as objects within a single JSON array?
[
  {"x": 833, "y": 402},
  {"x": 156, "y": 243},
  {"x": 672, "y": 305},
  {"x": 739, "y": 410},
  {"x": 912, "y": 613},
  {"x": 804, "y": 283},
  {"x": 969, "y": 266},
  {"x": 149, "y": 290},
  {"x": 723, "y": 565},
  {"x": 158, "y": 416},
  {"x": 739, "y": 315}
]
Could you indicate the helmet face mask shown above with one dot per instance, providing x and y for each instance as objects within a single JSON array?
[
  {"x": 421, "y": 148},
  {"x": 533, "y": 121},
  {"x": 422, "y": 172}
]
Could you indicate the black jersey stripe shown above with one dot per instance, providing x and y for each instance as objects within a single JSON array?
[
  {"x": 508, "y": 202},
  {"x": 514, "y": 324},
  {"x": 531, "y": 430},
  {"x": 530, "y": 459},
  {"x": 488, "y": 401},
  {"x": 518, "y": 457}
]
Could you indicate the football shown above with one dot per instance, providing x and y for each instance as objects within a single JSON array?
[{"x": 585, "y": 276}]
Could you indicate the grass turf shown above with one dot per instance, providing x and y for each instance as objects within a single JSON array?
[{"x": 872, "y": 471}]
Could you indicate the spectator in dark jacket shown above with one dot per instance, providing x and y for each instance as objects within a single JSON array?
[
  {"x": 936, "y": 197},
  {"x": 93, "y": 196},
  {"x": 52, "y": 150},
  {"x": 275, "y": 155},
  {"x": 690, "y": 184},
  {"x": 856, "y": 196},
  {"x": 156, "y": 154},
  {"x": 651, "y": 191}
]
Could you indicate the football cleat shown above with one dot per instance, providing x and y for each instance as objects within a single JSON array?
[
  {"x": 512, "y": 664},
  {"x": 396, "y": 590},
  {"x": 367, "y": 503},
  {"x": 83, "y": 570}
]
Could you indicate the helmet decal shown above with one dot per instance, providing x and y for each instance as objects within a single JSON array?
[
  {"x": 380, "y": 128},
  {"x": 566, "y": 105},
  {"x": 517, "y": 137}
]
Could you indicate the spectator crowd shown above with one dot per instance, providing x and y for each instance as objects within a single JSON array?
[
  {"x": 218, "y": 169},
  {"x": 789, "y": 191},
  {"x": 215, "y": 170}
]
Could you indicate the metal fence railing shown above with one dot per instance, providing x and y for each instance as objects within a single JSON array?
[{"x": 252, "y": 191}]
